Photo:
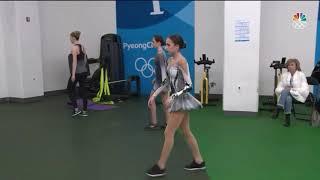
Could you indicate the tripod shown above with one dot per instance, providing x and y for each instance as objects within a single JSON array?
[
  {"x": 276, "y": 65},
  {"x": 204, "y": 83}
]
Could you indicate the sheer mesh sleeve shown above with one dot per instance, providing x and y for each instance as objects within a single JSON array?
[{"x": 184, "y": 67}]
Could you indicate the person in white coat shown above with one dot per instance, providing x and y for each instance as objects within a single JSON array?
[{"x": 293, "y": 84}]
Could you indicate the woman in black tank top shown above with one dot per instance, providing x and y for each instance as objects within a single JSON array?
[
  {"x": 77, "y": 65},
  {"x": 79, "y": 57}
]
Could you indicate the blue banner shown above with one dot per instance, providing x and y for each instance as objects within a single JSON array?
[{"x": 138, "y": 21}]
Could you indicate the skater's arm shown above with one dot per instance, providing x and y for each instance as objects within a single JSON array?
[
  {"x": 165, "y": 81},
  {"x": 163, "y": 66},
  {"x": 164, "y": 85},
  {"x": 157, "y": 92},
  {"x": 183, "y": 66}
]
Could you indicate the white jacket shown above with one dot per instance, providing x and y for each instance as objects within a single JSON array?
[{"x": 300, "y": 90}]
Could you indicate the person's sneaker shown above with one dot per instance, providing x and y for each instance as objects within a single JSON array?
[
  {"x": 164, "y": 126},
  {"x": 76, "y": 112},
  {"x": 84, "y": 113},
  {"x": 155, "y": 171},
  {"x": 193, "y": 166},
  {"x": 151, "y": 127}
]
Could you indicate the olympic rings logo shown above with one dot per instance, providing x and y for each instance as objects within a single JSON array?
[{"x": 144, "y": 67}]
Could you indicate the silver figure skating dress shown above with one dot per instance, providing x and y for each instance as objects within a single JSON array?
[{"x": 179, "y": 83}]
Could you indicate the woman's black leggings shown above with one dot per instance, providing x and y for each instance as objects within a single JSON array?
[{"x": 72, "y": 91}]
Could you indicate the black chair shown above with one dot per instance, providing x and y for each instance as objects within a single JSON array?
[{"x": 310, "y": 101}]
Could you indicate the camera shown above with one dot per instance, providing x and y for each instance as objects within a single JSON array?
[{"x": 278, "y": 64}]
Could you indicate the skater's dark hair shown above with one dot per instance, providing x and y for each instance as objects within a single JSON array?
[
  {"x": 177, "y": 40},
  {"x": 159, "y": 38}
]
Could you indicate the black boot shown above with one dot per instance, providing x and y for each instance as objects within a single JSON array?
[
  {"x": 276, "y": 113},
  {"x": 287, "y": 121}
]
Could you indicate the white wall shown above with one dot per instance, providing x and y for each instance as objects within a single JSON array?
[
  {"x": 209, "y": 31},
  {"x": 13, "y": 65},
  {"x": 3, "y": 64},
  {"x": 57, "y": 20},
  {"x": 3, "y": 76},
  {"x": 21, "y": 57},
  {"x": 279, "y": 38},
  {"x": 29, "y": 43},
  {"x": 241, "y": 59}
]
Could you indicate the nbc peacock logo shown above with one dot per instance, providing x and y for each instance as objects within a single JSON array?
[{"x": 299, "y": 21}]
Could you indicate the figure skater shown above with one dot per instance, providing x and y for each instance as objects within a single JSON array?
[
  {"x": 160, "y": 62},
  {"x": 180, "y": 103}
]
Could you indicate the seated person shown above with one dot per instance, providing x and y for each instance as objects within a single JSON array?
[{"x": 293, "y": 84}]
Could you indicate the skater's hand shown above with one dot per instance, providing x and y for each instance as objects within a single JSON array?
[
  {"x": 176, "y": 94},
  {"x": 172, "y": 96},
  {"x": 179, "y": 93},
  {"x": 151, "y": 101},
  {"x": 73, "y": 78}
]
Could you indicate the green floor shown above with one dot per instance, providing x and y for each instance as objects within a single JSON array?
[
  {"x": 257, "y": 148},
  {"x": 40, "y": 141}
]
